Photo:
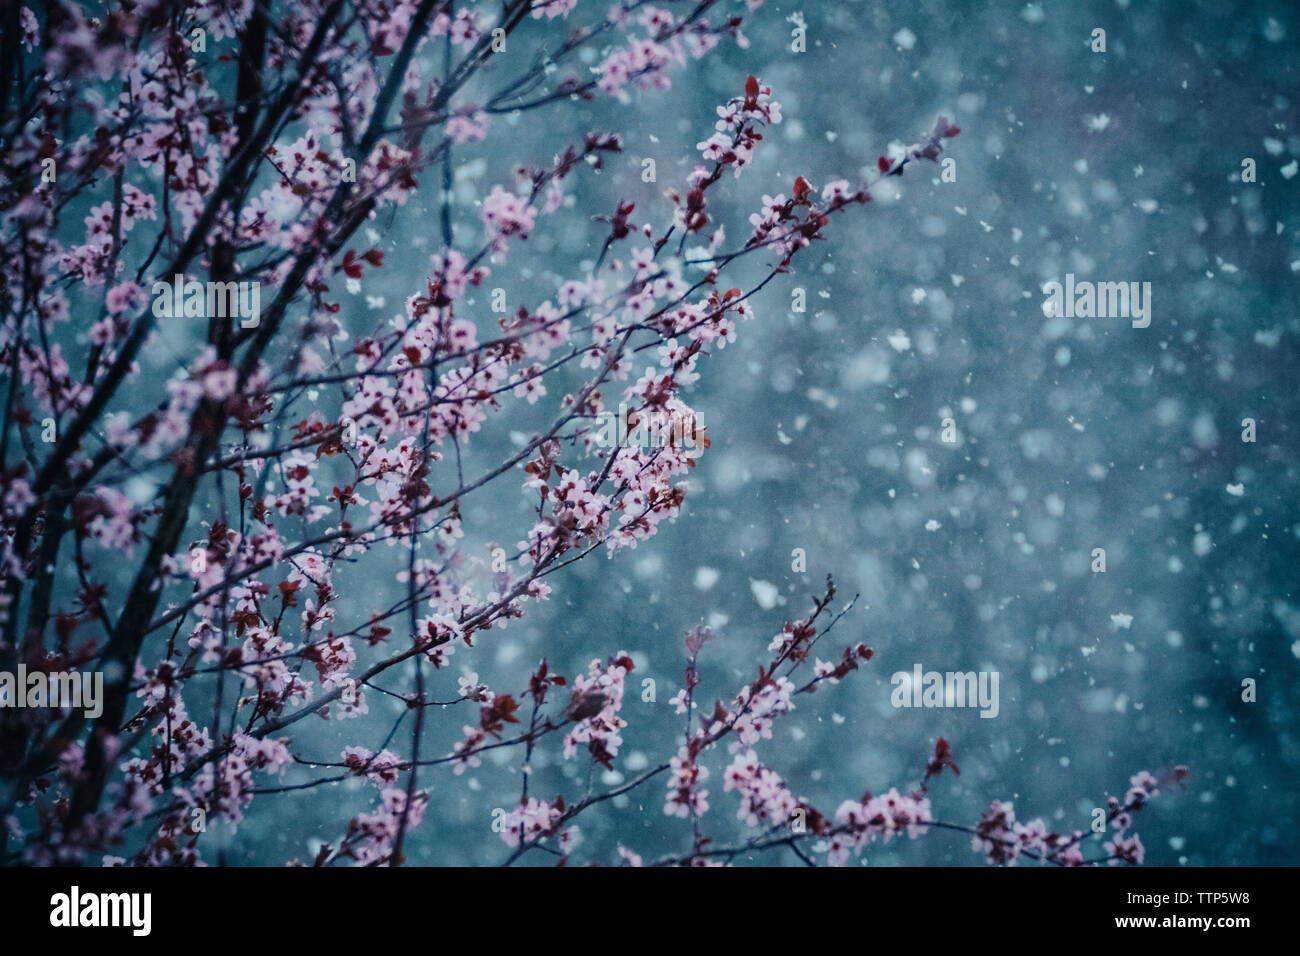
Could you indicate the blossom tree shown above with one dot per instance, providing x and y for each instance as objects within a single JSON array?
[{"x": 223, "y": 157}]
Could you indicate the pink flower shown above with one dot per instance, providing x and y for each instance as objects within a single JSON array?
[
  {"x": 466, "y": 128},
  {"x": 529, "y": 822},
  {"x": 506, "y": 215},
  {"x": 126, "y": 296}
]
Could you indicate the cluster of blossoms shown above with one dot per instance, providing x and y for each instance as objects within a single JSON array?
[
  {"x": 686, "y": 798},
  {"x": 1004, "y": 840},
  {"x": 532, "y": 820},
  {"x": 506, "y": 214},
  {"x": 380, "y": 768},
  {"x": 757, "y": 709},
  {"x": 860, "y": 822},
  {"x": 748, "y": 720},
  {"x": 495, "y": 711},
  {"x": 220, "y": 789},
  {"x": 371, "y": 837},
  {"x": 764, "y": 796},
  {"x": 597, "y": 700},
  {"x": 644, "y": 61},
  {"x": 105, "y": 223},
  {"x": 737, "y": 133},
  {"x": 1125, "y": 847}
]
